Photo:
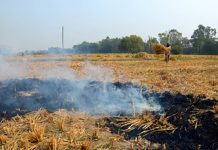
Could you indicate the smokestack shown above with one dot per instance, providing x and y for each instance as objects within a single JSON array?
[{"x": 62, "y": 37}]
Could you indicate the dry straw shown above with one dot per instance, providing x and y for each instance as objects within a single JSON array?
[{"x": 158, "y": 48}]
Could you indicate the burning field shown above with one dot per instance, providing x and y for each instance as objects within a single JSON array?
[{"x": 97, "y": 105}]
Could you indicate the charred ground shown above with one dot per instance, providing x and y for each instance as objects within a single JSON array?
[
  {"x": 184, "y": 121},
  {"x": 187, "y": 123}
]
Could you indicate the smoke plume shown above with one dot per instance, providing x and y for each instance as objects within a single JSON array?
[{"x": 60, "y": 88}]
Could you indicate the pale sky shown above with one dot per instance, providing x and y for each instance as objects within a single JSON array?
[{"x": 36, "y": 24}]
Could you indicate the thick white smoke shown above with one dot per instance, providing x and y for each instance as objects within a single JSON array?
[{"x": 84, "y": 95}]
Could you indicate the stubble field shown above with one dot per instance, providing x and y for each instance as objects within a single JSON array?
[{"x": 190, "y": 92}]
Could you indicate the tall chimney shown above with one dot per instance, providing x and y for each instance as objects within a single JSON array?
[{"x": 62, "y": 37}]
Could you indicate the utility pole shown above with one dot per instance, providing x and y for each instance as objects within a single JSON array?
[{"x": 62, "y": 37}]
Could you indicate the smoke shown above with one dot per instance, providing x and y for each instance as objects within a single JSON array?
[
  {"x": 6, "y": 50},
  {"x": 97, "y": 73},
  {"x": 10, "y": 66},
  {"x": 92, "y": 97},
  {"x": 59, "y": 88},
  {"x": 58, "y": 72}
]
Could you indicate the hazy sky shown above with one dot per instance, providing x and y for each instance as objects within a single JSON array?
[{"x": 36, "y": 24}]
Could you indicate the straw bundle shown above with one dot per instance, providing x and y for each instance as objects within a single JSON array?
[{"x": 158, "y": 48}]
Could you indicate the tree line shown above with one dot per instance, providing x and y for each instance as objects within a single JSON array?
[{"x": 202, "y": 41}]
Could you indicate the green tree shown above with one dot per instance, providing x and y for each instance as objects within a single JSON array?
[
  {"x": 201, "y": 36},
  {"x": 210, "y": 47},
  {"x": 177, "y": 49},
  {"x": 109, "y": 45},
  {"x": 163, "y": 37},
  {"x": 149, "y": 43},
  {"x": 175, "y": 38},
  {"x": 172, "y": 37},
  {"x": 132, "y": 44},
  {"x": 86, "y": 47},
  {"x": 105, "y": 45}
]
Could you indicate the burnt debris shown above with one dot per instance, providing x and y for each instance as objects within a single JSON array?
[
  {"x": 188, "y": 122},
  {"x": 178, "y": 121},
  {"x": 22, "y": 96}
]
